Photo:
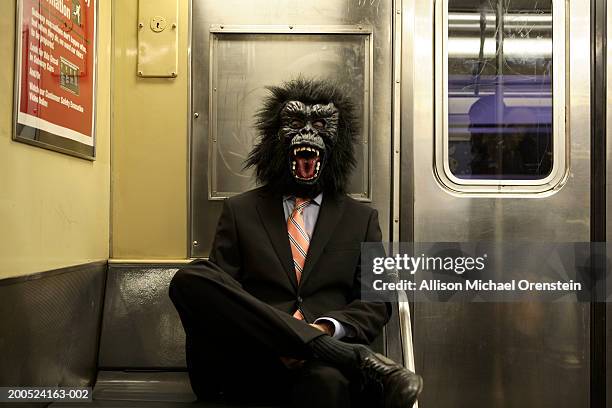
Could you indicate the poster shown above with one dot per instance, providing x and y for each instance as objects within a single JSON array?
[{"x": 55, "y": 75}]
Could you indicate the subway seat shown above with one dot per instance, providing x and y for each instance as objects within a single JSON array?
[{"x": 141, "y": 359}]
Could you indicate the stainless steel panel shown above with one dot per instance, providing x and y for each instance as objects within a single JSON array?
[
  {"x": 609, "y": 343},
  {"x": 609, "y": 194},
  {"x": 285, "y": 13},
  {"x": 503, "y": 355},
  {"x": 140, "y": 328},
  {"x": 402, "y": 169},
  {"x": 50, "y": 327},
  {"x": 496, "y": 354},
  {"x": 240, "y": 70}
]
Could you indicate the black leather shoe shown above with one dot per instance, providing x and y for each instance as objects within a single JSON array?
[{"x": 400, "y": 387}]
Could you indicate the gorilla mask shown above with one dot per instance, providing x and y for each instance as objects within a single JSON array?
[{"x": 306, "y": 134}]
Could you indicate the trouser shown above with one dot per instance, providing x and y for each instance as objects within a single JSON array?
[{"x": 235, "y": 341}]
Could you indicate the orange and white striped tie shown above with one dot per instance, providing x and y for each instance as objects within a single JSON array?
[{"x": 299, "y": 241}]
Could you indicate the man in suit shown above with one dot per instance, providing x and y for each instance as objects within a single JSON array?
[{"x": 275, "y": 313}]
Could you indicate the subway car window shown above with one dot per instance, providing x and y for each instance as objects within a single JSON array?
[{"x": 500, "y": 90}]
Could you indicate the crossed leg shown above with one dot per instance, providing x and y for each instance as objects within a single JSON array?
[{"x": 235, "y": 341}]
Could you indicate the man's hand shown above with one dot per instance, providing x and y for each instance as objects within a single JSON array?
[
  {"x": 292, "y": 363},
  {"x": 325, "y": 327}
]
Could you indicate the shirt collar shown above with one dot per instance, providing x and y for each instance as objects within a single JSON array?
[{"x": 317, "y": 200}]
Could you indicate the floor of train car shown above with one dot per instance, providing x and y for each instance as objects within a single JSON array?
[
  {"x": 141, "y": 404},
  {"x": 135, "y": 389},
  {"x": 157, "y": 404}
]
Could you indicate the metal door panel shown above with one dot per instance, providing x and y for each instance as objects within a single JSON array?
[
  {"x": 506, "y": 355},
  {"x": 240, "y": 58},
  {"x": 286, "y": 15},
  {"x": 609, "y": 197}
]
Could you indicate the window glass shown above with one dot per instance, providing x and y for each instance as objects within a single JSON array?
[{"x": 500, "y": 105}]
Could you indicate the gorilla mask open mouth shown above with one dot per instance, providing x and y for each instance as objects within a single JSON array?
[
  {"x": 306, "y": 162},
  {"x": 309, "y": 130}
]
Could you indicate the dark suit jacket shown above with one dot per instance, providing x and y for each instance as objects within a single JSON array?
[{"x": 251, "y": 244}]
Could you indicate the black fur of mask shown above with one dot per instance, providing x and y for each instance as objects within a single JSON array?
[{"x": 307, "y": 129}]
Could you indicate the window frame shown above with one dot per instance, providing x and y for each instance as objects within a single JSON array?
[{"x": 560, "y": 134}]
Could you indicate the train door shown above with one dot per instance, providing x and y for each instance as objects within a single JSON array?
[
  {"x": 496, "y": 147},
  {"x": 239, "y": 47}
]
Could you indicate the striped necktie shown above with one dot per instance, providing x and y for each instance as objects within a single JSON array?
[{"x": 299, "y": 241}]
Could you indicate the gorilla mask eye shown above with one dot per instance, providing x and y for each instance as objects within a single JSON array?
[
  {"x": 296, "y": 124},
  {"x": 319, "y": 124}
]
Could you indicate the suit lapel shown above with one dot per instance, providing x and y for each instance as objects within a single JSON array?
[
  {"x": 329, "y": 216},
  {"x": 270, "y": 209}
]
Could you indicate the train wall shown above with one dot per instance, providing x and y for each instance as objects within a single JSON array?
[
  {"x": 54, "y": 208},
  {"x": 150, "y": 147}
]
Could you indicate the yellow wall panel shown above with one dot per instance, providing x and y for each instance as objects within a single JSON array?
[
  {"x": 149, "y": 147},
  {"x": 54, "y": 208}
]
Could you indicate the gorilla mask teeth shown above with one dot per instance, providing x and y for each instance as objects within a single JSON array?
[
  {"x": 305, "y": 163},
  {"x": 305, "y": 149}
]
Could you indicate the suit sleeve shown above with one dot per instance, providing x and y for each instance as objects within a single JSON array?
[
  {"x": 225, "y": 251},
  {"x": 364, "y": 319}
]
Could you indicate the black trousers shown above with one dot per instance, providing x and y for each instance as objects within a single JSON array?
[{"x": 235, "y": 341}]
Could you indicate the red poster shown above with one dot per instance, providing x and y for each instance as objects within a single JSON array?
[{"x": 56, "y": 53}]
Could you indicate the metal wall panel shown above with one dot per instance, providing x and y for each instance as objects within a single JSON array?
[
  {"x": 50, "y": 327},
  {"x": 140, "y": 328},
  {"x": 506, "y": 355},
  {"x": 240, "y": 59},
  {"x": 609, "y": 194},
  {"x": 283, "y": 13}
]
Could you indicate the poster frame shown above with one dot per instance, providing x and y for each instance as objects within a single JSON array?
[{"x": 50, "y": 140}]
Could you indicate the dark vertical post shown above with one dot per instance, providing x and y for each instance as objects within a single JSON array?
[
  {"x": 598, "y": 195},
  {"x": 499, "y": 89}
]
